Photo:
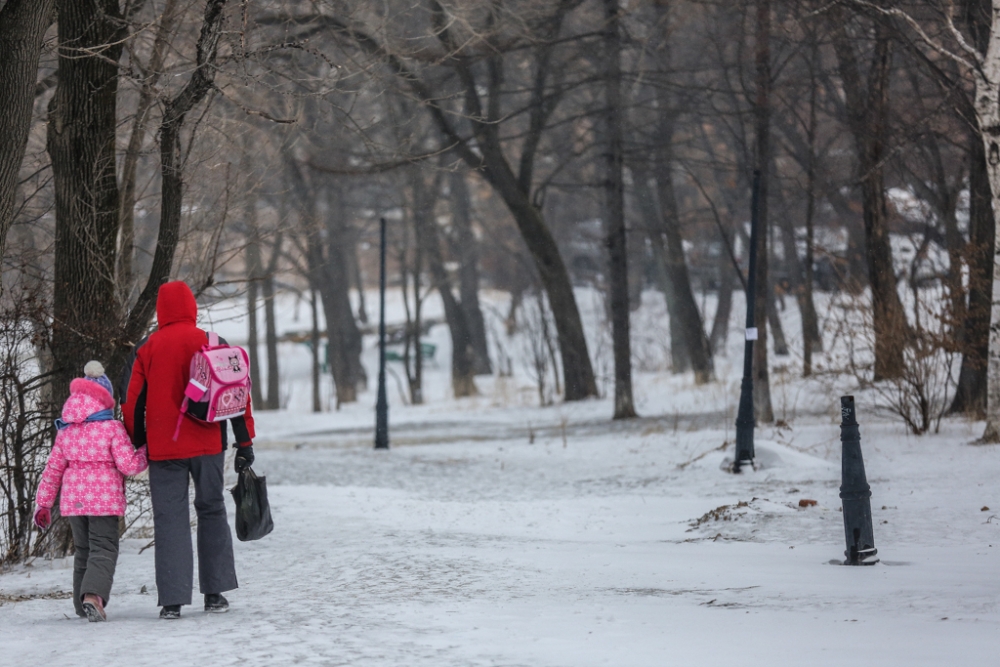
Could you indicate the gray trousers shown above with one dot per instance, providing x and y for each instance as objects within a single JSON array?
[
  {"x": 168, "y": 487},
  {"x": 95, "y": 539}
]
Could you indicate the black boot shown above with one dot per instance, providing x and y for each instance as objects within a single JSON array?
[
  {"x": 170, "y": 611},
  {"x": 216, "y": 604}
]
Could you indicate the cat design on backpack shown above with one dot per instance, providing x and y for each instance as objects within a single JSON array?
[{"x": 219, "y": 384}]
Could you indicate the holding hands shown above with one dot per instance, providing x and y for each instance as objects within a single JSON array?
[{"x": 43, "y": 518}]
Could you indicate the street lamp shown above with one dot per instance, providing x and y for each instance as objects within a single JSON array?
[
  {"x": 381, "y": 404},
  {"x": 745, "y": 421}
]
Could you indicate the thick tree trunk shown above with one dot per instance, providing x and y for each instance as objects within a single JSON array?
[
  {"x": 22, "y": 26},
  {"x": 868, "y": 111},
  {"x": 970, "y": 393},
  {"x": 689, "y": 320},
  {"x": 578, "y": 372},
  {"x": 987, "y": 106},
  {"x": 469, "y": 271},
  {"x": 614, "y": 214},
  {"x": 690, "y": 325},
  {"x": 342, "y": 330},
  {"x": 81, "y": 145},
  {"x": 762, "y": 127}
]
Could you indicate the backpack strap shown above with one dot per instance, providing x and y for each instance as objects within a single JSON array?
[
  {"x": 213, "y": 339},
  {"x": 180, "y": 418}
]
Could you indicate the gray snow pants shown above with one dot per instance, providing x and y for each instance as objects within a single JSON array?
[
  {"x": 95, "y": 539},
  {"x": 168, "y": 487}
]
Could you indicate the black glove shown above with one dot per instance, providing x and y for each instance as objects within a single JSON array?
[{"x": 244, "y": 457}]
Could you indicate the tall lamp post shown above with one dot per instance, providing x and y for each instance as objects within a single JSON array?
[
  {"x": 745, "y": 421},
  {"x": 381, "y": 404}
]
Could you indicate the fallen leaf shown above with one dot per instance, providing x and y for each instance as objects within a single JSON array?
[{"x": 805, "y": 502}]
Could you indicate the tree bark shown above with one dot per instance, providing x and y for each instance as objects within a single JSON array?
[
  {"x": 254, "y": 271},
  {"x": 614, "y": 214},
  {"x": 686, "y": 317},
  {"x": 22, "y": 26},
  {"x": 680, "y": 358},
  {"x": 723, "y": 309},
  {"x": 462, "y": 354},
  {"x": 987, "y": 106},
  {"x": 762, "y": 128},
  {"x": 970, "y": 392},
  {"x": 868, "y": 112},
  {"x": 81, "y": 145},
  {"x": 689, "y": 321},
  {"x": 317, "y": 405},
  {"x": 469, "y": 271},
  {"x": 342, "y": 330},
  {"x": 270, "y": 327}
]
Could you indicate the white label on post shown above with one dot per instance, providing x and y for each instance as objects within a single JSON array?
[{"x": 752, "y": 333}]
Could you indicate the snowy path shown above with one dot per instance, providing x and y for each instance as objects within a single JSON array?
[{"x": 494, "y": 551}]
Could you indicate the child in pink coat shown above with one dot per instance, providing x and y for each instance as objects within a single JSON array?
[{"x": 88, "y": 463}]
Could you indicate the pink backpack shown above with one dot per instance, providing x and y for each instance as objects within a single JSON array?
[{"x": 219, "y": 384}]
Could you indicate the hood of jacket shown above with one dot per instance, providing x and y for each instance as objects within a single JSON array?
[
  {"x": 175, "y": 303},
  {"x": 85, "y": 398}
]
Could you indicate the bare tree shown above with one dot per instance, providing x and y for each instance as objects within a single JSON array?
[{"x": 614, "y": 212}]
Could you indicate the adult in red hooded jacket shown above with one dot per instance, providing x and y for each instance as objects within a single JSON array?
[{"x": 151, "y": 410}]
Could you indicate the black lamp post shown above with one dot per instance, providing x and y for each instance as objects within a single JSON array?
[
  {"x": 745, "y": 421},
  {"x": 381, "y": 404}
]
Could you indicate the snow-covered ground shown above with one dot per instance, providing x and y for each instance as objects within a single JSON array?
[{"x": 497, "y": 532}]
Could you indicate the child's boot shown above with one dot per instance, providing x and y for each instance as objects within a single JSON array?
[{"x": 93, "y": 606}]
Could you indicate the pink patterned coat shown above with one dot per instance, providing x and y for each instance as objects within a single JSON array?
[{"x": 89, "y": 459}]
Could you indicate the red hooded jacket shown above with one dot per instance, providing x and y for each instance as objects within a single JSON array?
[{"x": 156, "y": 386}]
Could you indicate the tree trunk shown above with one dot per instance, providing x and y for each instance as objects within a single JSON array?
[
  {"x": 797, "y": 272},
  {"x": 686, "y": 316},
  {"x": 254, "y": 271},
  {"x": 970, "y": 393},
  {"x": 359, "y": 283},
  {"x": 812, "y": 340},
  {"x": 130, "y": 160},
  {"x": 81, "y": 145},
  {"x": 271, "y": 330},
  {"x": 317, "y": 405},
  {"x": 469, "y": 271},
  {"x": 987, "y": 105},
  {"x": 614, "y": 216},
  {"x": 680, "y": 357},
  {"x": 462, "y": 354},
  {"x": 342, "y": 330},
  {"x": 22, "y": 26},
  {"x": 723, "y": 309},
  {"x": 762, "y": 127},
  {"x": 171, "y": 180},
  {"x": 868, "y": 111}
]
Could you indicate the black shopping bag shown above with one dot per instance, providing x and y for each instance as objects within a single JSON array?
[{"x": 253, "y": 514}]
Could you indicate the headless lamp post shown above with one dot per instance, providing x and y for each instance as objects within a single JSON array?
[
  {"x": 745, "y": 421},
  {"x": 381, "y": 404}
]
